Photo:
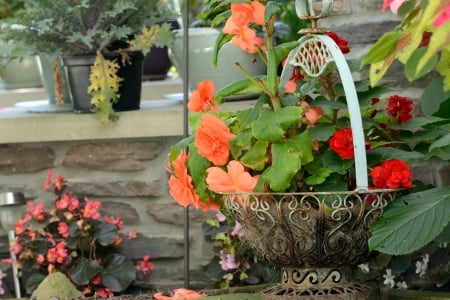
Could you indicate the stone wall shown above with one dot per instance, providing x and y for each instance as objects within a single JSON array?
[{"x": 129, "y": 177}]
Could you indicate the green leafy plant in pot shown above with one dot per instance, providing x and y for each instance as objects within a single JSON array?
[{"x": 110, "y": 33}]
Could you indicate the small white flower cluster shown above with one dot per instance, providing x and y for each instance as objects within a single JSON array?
[{"x": 422, "y": 266}]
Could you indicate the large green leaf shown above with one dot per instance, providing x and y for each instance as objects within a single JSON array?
[
  {"x": 385, "y": 153},
  {"x": 104, "y": 233},
  {"x": 411, "y": 222},
  {"x": 119, "y": 272},
  {"x": 433, "y": 96},
  {"x": 33, "y": 282},
  {"x": 442, "y": 142},
  {"x": 287, "y": 159},
  {"x": 382, "y": 48},
  {"x": 285, "y": 164},
  {"x": 84, "y": 271},
  {"x": 255, "y": 157},
  {"x": 271, "y": 125},
  {"x": 335, "y": 163},
  {"x": 411, "y": 71}
]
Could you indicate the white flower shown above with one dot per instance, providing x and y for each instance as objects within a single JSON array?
[
  {"x": 402, "y": 285},
  {"x": 364, "y": 268},
  {"x": 443, "y": 245},
  {"x": 389, "y": 278},
  {"x": 422, "y": 266}
]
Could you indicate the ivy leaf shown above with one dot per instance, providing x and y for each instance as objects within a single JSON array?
[
  {"x": 119, "y": 272},
  {"x": 84, "y": 271},
  {"x": 411, "y": 222}
]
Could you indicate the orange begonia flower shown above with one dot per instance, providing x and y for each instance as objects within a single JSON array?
[
  {"x": 258, "y": 11},
  {"x": 212, "y": 139},
  {"x": 241, "y": 15},
  {"x": 312, "y": 113},
  {"x": 179, "y": 294},
  {"x": 202, "y": 99},
  {"x": 180, "y": 183},
  {"x": 235, "y": 180}
]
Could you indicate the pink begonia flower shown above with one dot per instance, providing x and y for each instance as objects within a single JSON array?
[
  {"x": 227, "y": 261},
  {"x": 443, "y": 17},
  {"x": 392, "y": 4}
]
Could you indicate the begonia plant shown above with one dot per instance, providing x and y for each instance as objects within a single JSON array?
[
  {"x": 296, "y": 137},
  {"x": 74, "y": 238}
]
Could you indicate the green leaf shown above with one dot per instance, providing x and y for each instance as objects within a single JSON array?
[
  {"x": 322, "y": 131},
  {"x": 439, "y": 40},
  {"x": 84, "y": 271},
  {"x": 335, "y": 163},
  {"x": 33, "y": 282},
  {"x": 411, "y": 222},
  {"x": 417, "y": 123},
  {"x": 433, "y": 96},
  {"x": 104, "y": 233},
  {"x": 442, "y": 142},
  {"x": 445, "y": 235},
  {"x": 242, "y": 87},
  {"x": 411, "y": 70},
  {"x": 272, "y": 8},
  {"x": 255, "y": 157},
  {"x": 318, "y": 176},
  {"x": 287, "y": 159},
  {"x": 119, "y": 272},
  {"x": 271, "y": 125},
  {"x": 384, "y": 153},
  {"x": 285, "y": 164},
  {"x": 443, "y": 68},
  {"x": 382, "y": 48}
]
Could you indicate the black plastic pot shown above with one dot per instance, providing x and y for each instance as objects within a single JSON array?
[{"x": 79, "y": 67}]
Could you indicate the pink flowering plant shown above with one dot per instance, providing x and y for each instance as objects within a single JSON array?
[{"x": 74, "y": 238}]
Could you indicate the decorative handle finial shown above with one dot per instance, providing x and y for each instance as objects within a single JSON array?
[{"x": 304, "y": 10}]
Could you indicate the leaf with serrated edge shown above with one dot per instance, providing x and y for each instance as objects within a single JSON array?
[{"x": 411, "y": 222}]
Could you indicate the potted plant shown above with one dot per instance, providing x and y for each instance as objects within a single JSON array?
[
  {"x": 15, "y": 72},
  {"x": 312, "y": 164},
  {"x": 73, "y": 237},
  {"x": 110, "y": 34}
]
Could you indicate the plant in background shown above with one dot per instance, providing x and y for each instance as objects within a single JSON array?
[
  {"x": 75, "y": 239},
  {"x": 92, "y": 27},
  {"x": 234, "y": 263}
]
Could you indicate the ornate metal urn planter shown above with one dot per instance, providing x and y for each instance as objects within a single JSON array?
[{"x": 315, "y": 238}]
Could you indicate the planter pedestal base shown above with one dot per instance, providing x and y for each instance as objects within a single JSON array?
[{"x": 319, "y": 283}]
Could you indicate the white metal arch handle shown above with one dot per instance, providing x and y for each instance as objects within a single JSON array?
[{"x": 313, "y": 54}]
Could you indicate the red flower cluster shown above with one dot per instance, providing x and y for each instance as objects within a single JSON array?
[
  {"x": 400, "y": 107},
  {"x": 392, "y": 174},
  {"x": 342, "y": 143},
  {"x": 342, "y": 44}
]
